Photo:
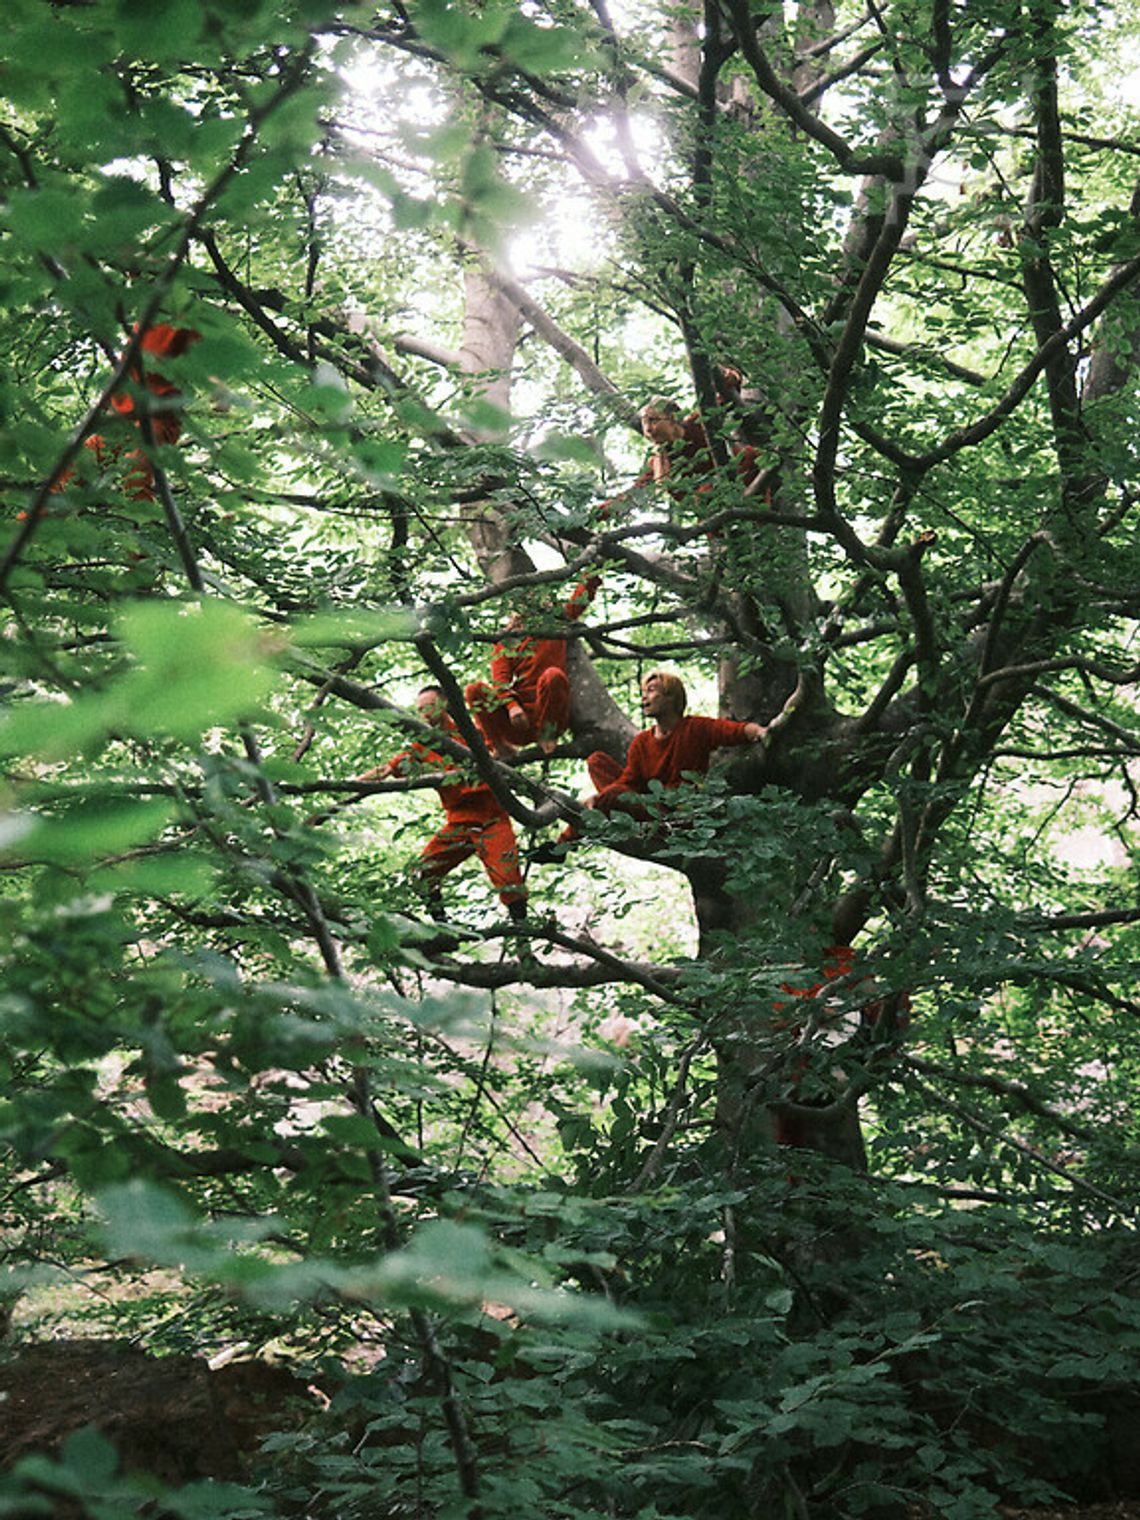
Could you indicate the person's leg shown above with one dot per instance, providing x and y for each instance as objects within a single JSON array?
[
  {"x": 603, "y": 768},
  {"x": 499, "y": 851},
  {"x": 604, "y": 771},
  {"x": 552, "y": 707},
  {"x": 445, "y": 850},
  {"x": 138, "y": 477},
  {"x": 491, "y": 716}
]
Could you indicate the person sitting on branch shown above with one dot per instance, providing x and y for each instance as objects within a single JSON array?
[
  {"x": 682, "y": 451},
  {"x": 678, "y": 745},
  {"x": 477, "y": 823},
  {"x": 528, "y": 700}
]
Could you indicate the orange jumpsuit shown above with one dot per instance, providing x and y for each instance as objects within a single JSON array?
[
  {"x": 529, "y": 673},
  {"x": 838, "y": 960},
  {"x": 477, "y": 824},
  {"x": 161, "y": 340}
]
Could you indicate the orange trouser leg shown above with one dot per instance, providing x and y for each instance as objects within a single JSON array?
[
  {"x": 138, "y": 481},
  {"x": 604, "y": 769},
  {"x": 499, "y": 851},
  {"x": 552, "y": 704},
  {"x": 445, "y": 850},
  {"x": 490, "y": 713}
]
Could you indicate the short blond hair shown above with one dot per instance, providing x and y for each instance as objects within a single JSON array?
[
  {"x": 663, "y": 404},
  {"x": 671, "y": 683}
]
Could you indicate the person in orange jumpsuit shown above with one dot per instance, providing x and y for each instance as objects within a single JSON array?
[
  {"x": 528, "y": 700},
  {"x": 838, "y": 961},
  {"x": 477, "y": 823},
  {"x": 676, "y": 746},
  {"x": 159, "y": 341}
]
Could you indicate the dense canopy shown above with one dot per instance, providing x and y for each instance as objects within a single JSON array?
[{"x": 779, "y": 1156}]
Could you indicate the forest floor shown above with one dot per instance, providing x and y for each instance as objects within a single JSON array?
[
  {"x": 1120, "y": 1509},
  {"x": 182, "y": 1420}
]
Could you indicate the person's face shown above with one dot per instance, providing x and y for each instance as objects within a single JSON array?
[
  {"x": 660, "y": 428},
  {"x": 656, "y": 700},
  {"x": 431, "y": 706}
]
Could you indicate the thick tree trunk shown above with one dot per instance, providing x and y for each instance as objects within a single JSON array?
[{"x": 490, "y": 337}]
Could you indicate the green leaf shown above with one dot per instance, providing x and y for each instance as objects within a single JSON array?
[
  {"x": 89, "y": 1454},
  {"x": 352, "y": 629},
  {"x": 96, "y": 828},
  {"x": 197, "y": 665}
]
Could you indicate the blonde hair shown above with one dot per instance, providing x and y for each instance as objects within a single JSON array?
[
  {"x": 663, "y": 404},
  {"x": 671, "y": 683}
]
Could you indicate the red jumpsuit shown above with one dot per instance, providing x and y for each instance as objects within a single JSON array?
[
  {"x": 477, "y": 824},
  {"x": 838, "y": 960},
  {"x": 689, "y": 747},
  {"x": 687, "y": 462},
  {"x": 161, "y": 340},
  {"x": 529, "y": 673}
]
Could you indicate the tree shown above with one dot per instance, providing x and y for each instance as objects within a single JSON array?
[{"x": 914, "y": 232}]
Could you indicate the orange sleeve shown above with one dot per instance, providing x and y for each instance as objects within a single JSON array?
[
  {"x": 583, "y": 595},
  {"x": 503, "y": 671}
]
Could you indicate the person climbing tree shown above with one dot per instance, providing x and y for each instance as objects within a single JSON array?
[
  {"x": 476, "y": 822},
  {"x": 682, "y": 454},
  {"x": 681, "y": 447},
  {"x": 528, "y": 700}
]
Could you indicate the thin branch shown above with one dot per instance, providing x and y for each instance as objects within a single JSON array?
[
  {"x": 1023, "y": 1095},
  {"x": 1002, "y": 1136},
  {"x": 848, "y": 159},
  {"x": 562, "y": 343}
]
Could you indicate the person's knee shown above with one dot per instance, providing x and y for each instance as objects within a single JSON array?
[{"x": 603, "y": 769}]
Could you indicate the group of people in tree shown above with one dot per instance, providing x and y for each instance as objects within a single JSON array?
[
  {"x": 528, "y": 702},
  {"x": 528, "y": 699},
  {"x": 676, "y": 746}
]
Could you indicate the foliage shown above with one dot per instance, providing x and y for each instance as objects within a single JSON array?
[{"x": 658, "y": 1204}]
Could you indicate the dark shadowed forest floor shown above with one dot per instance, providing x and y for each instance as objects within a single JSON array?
[{"x": 182, "y": 1420}]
